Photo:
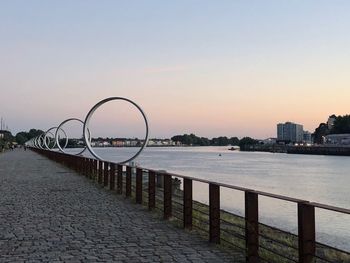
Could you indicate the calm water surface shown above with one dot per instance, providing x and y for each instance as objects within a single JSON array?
[{"x": 324, "y": 179}]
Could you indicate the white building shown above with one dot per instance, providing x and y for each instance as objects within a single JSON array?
[
  {"x": 106, "y": 144},
  {"x": 269, "y": 141},
  {"x": 338, "y": 139},
  {"x": 290, "y": 132}
]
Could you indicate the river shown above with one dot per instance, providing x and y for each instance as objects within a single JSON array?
[{"x": 324, "y": 179}]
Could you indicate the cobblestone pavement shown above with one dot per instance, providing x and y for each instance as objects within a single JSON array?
[{"x": 50, "y": 214}]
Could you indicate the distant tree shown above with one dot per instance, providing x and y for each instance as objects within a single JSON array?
[
  {"x": 192, "y": 139},
  {"x": 204, "y": 141},
  {"x": 21, "y": 137},
  {"x": 33, "y": 133},
  {"x": 187, "y": 139},
  {"x": 8, "y": 137},
  {"x": 220, "y": 141},
  {"x": 247, "y": 141},
  {"x": 234, "y": 141},
  {"x": 321, "y": 131},
  {"x": 341, "y": 125}
]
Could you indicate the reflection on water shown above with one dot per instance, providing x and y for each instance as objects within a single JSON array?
[{"x": 323, "y": 179}]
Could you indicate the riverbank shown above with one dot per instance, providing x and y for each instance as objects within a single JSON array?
[
  {"x": 314, "y": 149},
  {"x": 319, "y": 150}
]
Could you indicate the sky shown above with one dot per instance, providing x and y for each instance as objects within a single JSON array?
[{"x": 233, "y": 68}]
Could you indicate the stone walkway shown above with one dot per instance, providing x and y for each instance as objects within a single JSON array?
[{"x": 50, "y": 214}]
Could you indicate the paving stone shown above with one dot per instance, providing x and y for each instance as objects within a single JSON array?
[{"x": 49, "y": 213}]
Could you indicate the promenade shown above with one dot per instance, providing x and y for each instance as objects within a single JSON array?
[{"x": 49, "y": 213}]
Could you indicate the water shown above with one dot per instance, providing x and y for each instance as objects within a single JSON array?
[{"x": 323, "y": 179}]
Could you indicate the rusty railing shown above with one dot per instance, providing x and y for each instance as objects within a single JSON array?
[{"x": 121, "y": 177}]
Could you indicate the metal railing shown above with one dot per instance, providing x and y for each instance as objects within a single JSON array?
[{"x": 257, "y": 243}]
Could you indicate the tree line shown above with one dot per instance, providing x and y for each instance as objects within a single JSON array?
[
  {"x": 192, "y": 139},
  {"x": 23, "y": 136},
  {"x": 185, "y": 139},
  {"x": 341, "y": 125}
]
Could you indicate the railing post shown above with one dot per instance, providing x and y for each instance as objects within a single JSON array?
[
  {"x": 151, "y": 190},
  {"x": 214, "y": 213},
  {"x": 167, "y": 196},
  {"x": 85, "y": 166},
  {"x": 77, "y": 163},
  {"x": 95, "y": 170},
  {"x": 306, "y": 232},
  {"x": 80, "y": 165},
  {"x": 187, "y": 200},
  {"x": 128, "y": 182},
  {"x": 139, "y": 186},
  {"x": 112, "y": 176},
  {"x": 100, "y": 171},
  {"x": 105, "y": 173},
  {"x": 87, "y": 170},
  {"x": 92, "y": 168},
  {"x": 252, "y": 226},
  {"x": 120, "y": 179},
  {"x": 74, "y": 161}
]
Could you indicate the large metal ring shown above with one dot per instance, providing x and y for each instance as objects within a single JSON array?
[
  {"x": 40, "y": 141},
  {"x": 57, "y": 141},
  {"x": 91, "y": 112},
  {"x": 36, "y": 142},
  {"x": 60, "y": 128},
  {"x": 47, "y": 140},
  {"x": 53, "y": 135}
]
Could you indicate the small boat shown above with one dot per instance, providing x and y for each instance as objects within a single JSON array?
[{"x": 234, "y": 148}]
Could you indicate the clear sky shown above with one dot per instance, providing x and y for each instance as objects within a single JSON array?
[{"x": 213, "y": 68}]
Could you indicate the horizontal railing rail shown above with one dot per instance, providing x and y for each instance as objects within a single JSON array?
[{"x": 118, "y": 176}]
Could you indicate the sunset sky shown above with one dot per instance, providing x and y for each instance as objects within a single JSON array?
[{"x": 233, "y": 68}]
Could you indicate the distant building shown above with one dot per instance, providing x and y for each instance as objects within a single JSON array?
[
  {"x": 161, "y": 142},
  {"x": 4, "y": 134},
  {"x": 338, "y": 139},
  {"x": 118, "y": 143},
  {"x": 307, "y": 137},
  {"x": 133, "y": 143},
  {"x": 331, "y": 120},
  {"x": 106, "y": 144},
  {"x": 151, "y": 143},
  {"x": 290, "y": 132},
  {"x": 269, "y": 141}
]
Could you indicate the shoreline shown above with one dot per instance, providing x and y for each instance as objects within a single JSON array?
[{"x": 310, "y": 150}]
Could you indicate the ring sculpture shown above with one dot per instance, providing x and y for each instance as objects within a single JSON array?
[
  {"x": 43, "y": 140},
  {"x": 90, "y": 114},
  {"x": 50, "y": 131},
  {"x": 57, "y": 139}
]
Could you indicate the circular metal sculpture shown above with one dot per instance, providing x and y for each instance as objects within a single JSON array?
[
  {"x": 40, "y": 141},
  {"x": 43, "y": 141},
  {"x": 35, "y": 142},
  {"x": 90, "y": 114},
  {"x": 47, "y": 138},
  {"x": 59, "y": 128}
]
